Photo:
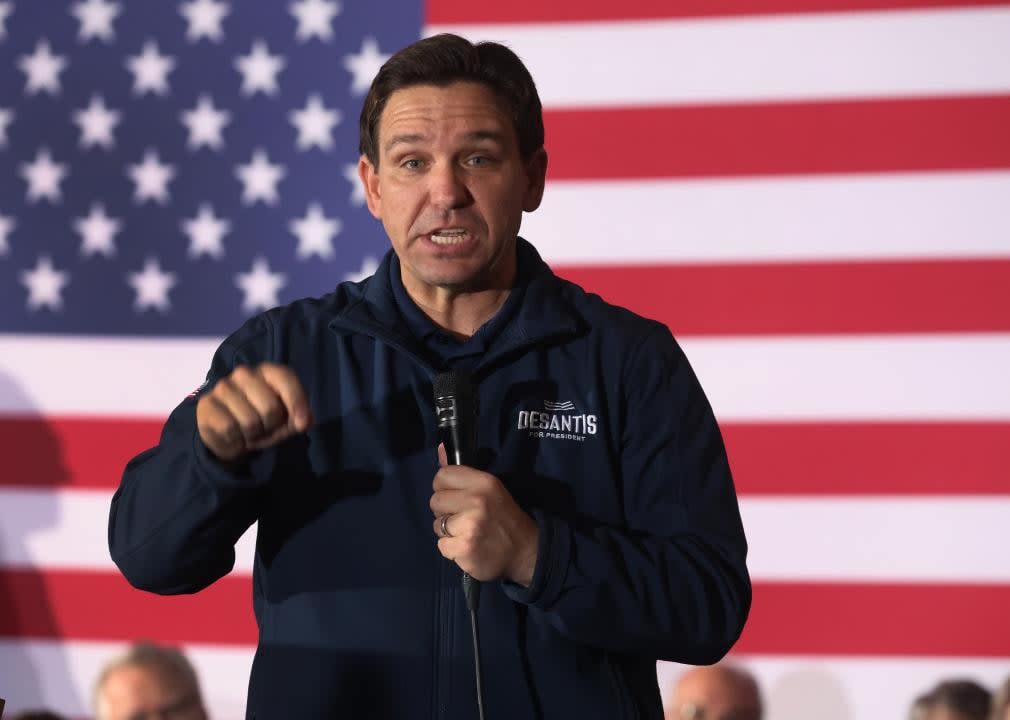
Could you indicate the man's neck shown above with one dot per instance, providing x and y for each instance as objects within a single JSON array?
[{"x": 459, "y": 312}]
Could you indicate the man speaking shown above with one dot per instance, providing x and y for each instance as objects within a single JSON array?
[{"x": 596, "y": 505}]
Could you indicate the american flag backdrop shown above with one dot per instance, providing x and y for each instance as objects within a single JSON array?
[{"x": 815, "y": 197}]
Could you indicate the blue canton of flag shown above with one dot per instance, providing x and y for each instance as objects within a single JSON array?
[{"x": 172, "y": 168}]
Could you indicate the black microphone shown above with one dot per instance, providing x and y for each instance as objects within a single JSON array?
[{"x": 456, "y": 409}]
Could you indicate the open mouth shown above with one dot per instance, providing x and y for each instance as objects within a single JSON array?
[{"x": 449, "y": 236}]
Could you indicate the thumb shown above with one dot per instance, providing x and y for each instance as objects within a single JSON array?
[{"x": 443, "y": 459}]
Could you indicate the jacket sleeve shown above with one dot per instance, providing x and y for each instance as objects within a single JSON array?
[
  {"x": 672, "y": 581},
  {"x": 178, "y": 512}
]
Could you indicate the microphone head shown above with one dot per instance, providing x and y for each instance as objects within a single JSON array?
[
  {"x": 455, "y": 399},
  {"x": 454, "y": 383}
]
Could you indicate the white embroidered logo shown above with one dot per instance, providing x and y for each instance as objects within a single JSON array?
[{"x": 561, "y": 421}]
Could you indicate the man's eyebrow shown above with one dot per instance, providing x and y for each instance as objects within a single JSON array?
[
  {"x": 402, "y": 140},
  {"x": 493, "y": 135},
  {"x": 475, "y": 136}
]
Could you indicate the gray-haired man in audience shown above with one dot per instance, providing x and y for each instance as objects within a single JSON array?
[{"x": 149, "y": 682}]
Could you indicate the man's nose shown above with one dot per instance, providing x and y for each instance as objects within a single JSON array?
[{"x": 447, "y": 187}]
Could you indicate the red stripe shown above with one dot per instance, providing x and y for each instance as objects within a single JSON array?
[
  {"x": 869, "y": 458},
  {"x": 72, "y": 451},
  {"x": 810, "y": 298},
  {"x": 801, "y": 618},
  {"x": 103, "y": 606},
  {"x": 863, "y": 458},
  {"x": 878, "y": 619},
  {"x": 779, "y": 139},
  {"x": 445, "y": 12}
]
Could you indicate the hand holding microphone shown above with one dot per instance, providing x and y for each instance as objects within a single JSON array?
[{"x": 479, "y": 525}]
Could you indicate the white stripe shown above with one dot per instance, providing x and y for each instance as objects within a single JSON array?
[
  {"x": 817, "y": 218},
  {"x": 59, "y": 675},
  {"x": 779, "y": 57},
  {"x": 915, "y": 377},
  {"x": 959, "y": 376},
  {"x": 935, "y": 539},
  {"x": 99, "y": 376},
  {"x": 66, "y": 529},
  {"x": 921, "y": 539},
  {"x": 849, "y": 688}
]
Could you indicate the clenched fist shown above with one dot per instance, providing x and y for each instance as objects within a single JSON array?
[{"x": 250, "y": 409}]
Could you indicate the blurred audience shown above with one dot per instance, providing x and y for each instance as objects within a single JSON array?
[
  {"x": 149, "y": 682},
  {"x": 715, "y": 692},
  {"x": 37, "y": 715},
  {"x": 1001, "y": 702},
  {"x": 953, "y": 700}
]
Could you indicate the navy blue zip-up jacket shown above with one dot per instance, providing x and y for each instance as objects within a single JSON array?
[{"x": 590, "y": 416}]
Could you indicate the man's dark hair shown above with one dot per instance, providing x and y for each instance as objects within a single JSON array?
[
  {"x": 964, "y": 697},
  {"x": 444, "y": 59}
]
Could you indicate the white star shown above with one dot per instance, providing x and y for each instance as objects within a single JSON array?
[
  {"x": 97, "y": 232},
  {"x": 259, "y": 69},
  {"x": 259, "y": 179},
  {"x": 95, "y": 17},
  {"x": 152, "y": 286},
  {"x": 260, "y": 286},
  {"x": 314, "y": 18},
  {"x": 314, "y": 123},
  {"x": 6, "y": 117},
  {"x": 357, "y": 187},
  {"x": 369, "y": 265},
  {"x": 151, "y": 178},
  {"x": 44, "y": 285},
  {"x": 204, "y": 19},
  {"x": 6, "y": 9},
  {"x": 315, "y": 233},
  {"x": 97, "y": 123},
  {"x": 205, "y": 124},
  {"x": 365, "y": 65},
  {"x": 43, "y": 177},
  {"x": 205, "y": 232},
  {"x": 42, "y": 69},
  {"x": 6, "y": 226},
  {"x": 150, "y": 70}
]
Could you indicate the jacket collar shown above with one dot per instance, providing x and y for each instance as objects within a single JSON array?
[{"x": 544, "y": 315}]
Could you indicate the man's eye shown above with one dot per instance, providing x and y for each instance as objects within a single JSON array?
[
  {"x": 479, "y": 161},
  {"x": 412, "y": 164}
]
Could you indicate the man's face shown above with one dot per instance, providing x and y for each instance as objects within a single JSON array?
[
  {"x": 712, "y": 693},
  {"x": 451, "y": 187},
  {"x": 140, "y": 693}
]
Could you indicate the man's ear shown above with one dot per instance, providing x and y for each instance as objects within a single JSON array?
[
  {"x": 536, "y": 177},
  {"x": 369, "y": 175}
]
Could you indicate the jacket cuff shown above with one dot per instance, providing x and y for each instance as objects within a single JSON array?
[
  {"x": 213, "y": 471},
  {"x": 554, "y": 547}
]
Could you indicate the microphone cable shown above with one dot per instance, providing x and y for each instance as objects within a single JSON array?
[
  {"x": 471, "y": 590},
  {"x": 456, "y": 410}
]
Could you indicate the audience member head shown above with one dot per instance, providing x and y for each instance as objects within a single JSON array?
[
  {"x": 148, "y": 682},
  {"x": 953, "y": 700},
  {"x": 37, "y": 715},
  {"x": 715, "y": 692},
  {"x": 1001, "y": 702}
]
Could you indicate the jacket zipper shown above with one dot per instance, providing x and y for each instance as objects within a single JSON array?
[
  {"x": 436, "y": 650},
  {"x": 628, "y": 711}
]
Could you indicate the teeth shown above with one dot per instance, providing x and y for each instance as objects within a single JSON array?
[{"x": 448, "y": 237}]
